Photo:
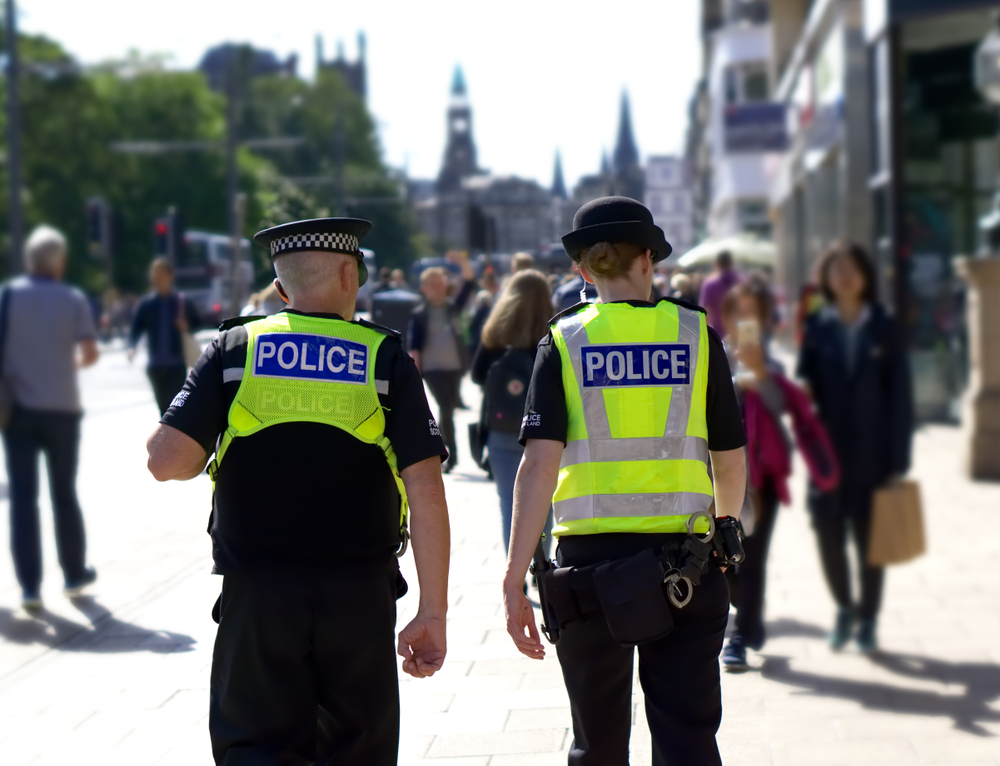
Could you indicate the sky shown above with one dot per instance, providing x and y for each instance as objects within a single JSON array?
[{"x": 542, "y": 76}]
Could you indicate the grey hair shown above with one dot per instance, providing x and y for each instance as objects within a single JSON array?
[
  {"x": 45, "y": 250},
  {"x": 306, "y": 271}
]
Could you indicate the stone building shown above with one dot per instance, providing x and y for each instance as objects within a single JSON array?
[
  {"x": 472, "y": 209},
  {"x": 355, "y": 73}
]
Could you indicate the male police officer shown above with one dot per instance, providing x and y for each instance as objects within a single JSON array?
[{"x": 321, "y": 433}]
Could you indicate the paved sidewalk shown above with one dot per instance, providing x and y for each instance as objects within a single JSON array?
[{"x": 122, "y": 677}]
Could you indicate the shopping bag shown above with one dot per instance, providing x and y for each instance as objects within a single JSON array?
[{"x": 897, "y": 528}]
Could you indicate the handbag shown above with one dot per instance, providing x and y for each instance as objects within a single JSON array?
[
  {"x": 6, "y": 389},
  {"x": 897, "y": 526},
  {"x": 190, "y": 349}
]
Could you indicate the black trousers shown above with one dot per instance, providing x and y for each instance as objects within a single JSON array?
[
  {"x": 833, "y": 514},
  {"x": 304, "y": 671},
  {"x": 444, "y": 386},
  {"x": 30, "y": 434},
  {"x": 167, "y": 381},
  {"x": 679, "y": 676},
  {"x": 748, "y": 581}
]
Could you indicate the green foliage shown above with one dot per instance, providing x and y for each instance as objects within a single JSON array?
[{"x": 71, "y": 117}]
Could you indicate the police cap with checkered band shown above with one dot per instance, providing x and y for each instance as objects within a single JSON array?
[{"x": 335, "y": 235}]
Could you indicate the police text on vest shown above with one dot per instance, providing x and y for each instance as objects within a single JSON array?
[
  {"x": 636, "y": 364},
  {"x": 302, "y": 356}
]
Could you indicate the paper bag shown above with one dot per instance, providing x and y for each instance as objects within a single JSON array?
[{"x": 897, "y": 528}]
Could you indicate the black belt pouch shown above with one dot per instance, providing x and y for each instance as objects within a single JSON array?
[{"x": 631, "y": 594}]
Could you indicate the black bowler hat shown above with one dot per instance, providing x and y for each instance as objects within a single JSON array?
[
  {"x": 336, "y": 235},
  {"x": 615, "y": 219}
]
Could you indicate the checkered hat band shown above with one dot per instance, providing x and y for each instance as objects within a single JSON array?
[{"x": 340, "y": 243}]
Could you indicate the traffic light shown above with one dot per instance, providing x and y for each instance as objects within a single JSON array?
[
  {"x": 98, "y": 228},
  {"x": 168, "y": 236}
]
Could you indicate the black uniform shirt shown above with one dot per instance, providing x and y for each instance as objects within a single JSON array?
[
  {"x": 546, "y": 417},
  {"x": 304, "y": 496}
]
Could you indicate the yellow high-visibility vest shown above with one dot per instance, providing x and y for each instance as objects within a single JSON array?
[
  {"x": 311, "y": 369},
  {"x": 636, "y": 383}
]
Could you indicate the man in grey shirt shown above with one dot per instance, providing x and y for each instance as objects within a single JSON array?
[{"x": 47, "y": 322}]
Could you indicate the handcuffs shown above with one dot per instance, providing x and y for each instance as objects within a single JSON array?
[{"x": 724, "y": 539}]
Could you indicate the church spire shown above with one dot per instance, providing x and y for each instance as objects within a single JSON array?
[
  {"x": 558, "y": 185},
  {"x": 626, "y": 154}
]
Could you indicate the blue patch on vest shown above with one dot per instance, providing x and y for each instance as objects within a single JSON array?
[
  {"x": 636, "y": 364},
  {"x": 301, "y": 356}
]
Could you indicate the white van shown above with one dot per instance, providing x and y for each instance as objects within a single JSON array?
[{"x": 203, "y": 272}]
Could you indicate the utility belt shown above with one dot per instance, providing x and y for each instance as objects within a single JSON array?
[{"x": 635, "y": 594}]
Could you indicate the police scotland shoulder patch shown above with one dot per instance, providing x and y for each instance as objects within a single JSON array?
[
  {"x": 302, "y": 356},
  {"x": 636, "y": 364}
]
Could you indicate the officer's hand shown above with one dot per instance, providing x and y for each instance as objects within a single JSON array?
[
  {"x": 422, "y": 645},
  {"x": 521, "y": 616}
]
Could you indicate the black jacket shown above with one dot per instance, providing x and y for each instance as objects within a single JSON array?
[
  {"x": 147, "y": 321},
  {"x": 868, "y": 412}
]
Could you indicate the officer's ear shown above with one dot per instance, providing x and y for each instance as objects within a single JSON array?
[{"x": 281, "y": 291}]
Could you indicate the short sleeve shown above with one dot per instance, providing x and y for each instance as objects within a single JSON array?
[
  {"x": 200, "y": 409},
  {"x": 85, "y": 329},
  {"x": 725, "y": 422},
  {"x": 545, "y": 415},
  {"x": 409, "y": 424}
]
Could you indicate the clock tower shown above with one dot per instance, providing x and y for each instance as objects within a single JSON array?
[{"x": 460, "y": 151}]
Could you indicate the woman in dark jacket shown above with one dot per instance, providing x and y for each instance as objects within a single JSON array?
[
  {"x": 854, "y": 362},
  {"x": 518, "y": 320}
]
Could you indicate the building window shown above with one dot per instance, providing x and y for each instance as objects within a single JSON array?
[{"x": 747, "y": 84}]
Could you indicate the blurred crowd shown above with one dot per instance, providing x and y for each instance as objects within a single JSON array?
[{"x": 849, "y": 410}]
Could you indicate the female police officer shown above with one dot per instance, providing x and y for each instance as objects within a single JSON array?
[{"x": 627, "y": 403}]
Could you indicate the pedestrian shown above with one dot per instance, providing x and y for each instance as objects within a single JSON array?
[
  {"x": 384, "y": 278},
  {"x": 502, "y": 366},
  {"x": 162, "y": 317},
  {"x": 324, "y": 440},
  {"x": 482, "y": 303},
  {"x": 398, "y": 281},
  {"x": 46, "y": 333},
  {"x": 628, "y": 404},
  {"x": 853, "y": 361},
  {"x": 436, "y": 342},
  {"x": 714, "y": 289}
]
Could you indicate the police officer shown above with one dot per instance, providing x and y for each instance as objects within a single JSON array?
[
  {"x": 628, "y": 404},
  {"x": 324, "y": 445}
]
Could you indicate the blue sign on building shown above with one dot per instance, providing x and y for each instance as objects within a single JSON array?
[{"x": 755, "y": 128}]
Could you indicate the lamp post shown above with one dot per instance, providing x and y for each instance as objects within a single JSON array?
[{"x": 981, "y": 417}]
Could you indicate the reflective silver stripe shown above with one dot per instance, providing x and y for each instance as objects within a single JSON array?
[
  {"x": 232, "y": 374},
  {"x": 689, "y": 332},
  {"x": 382, "y": 387},
  {"x": 595, "y": 414},
  {"x": 651, "y": 448},
  {"x": 611, "y": 506}
]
